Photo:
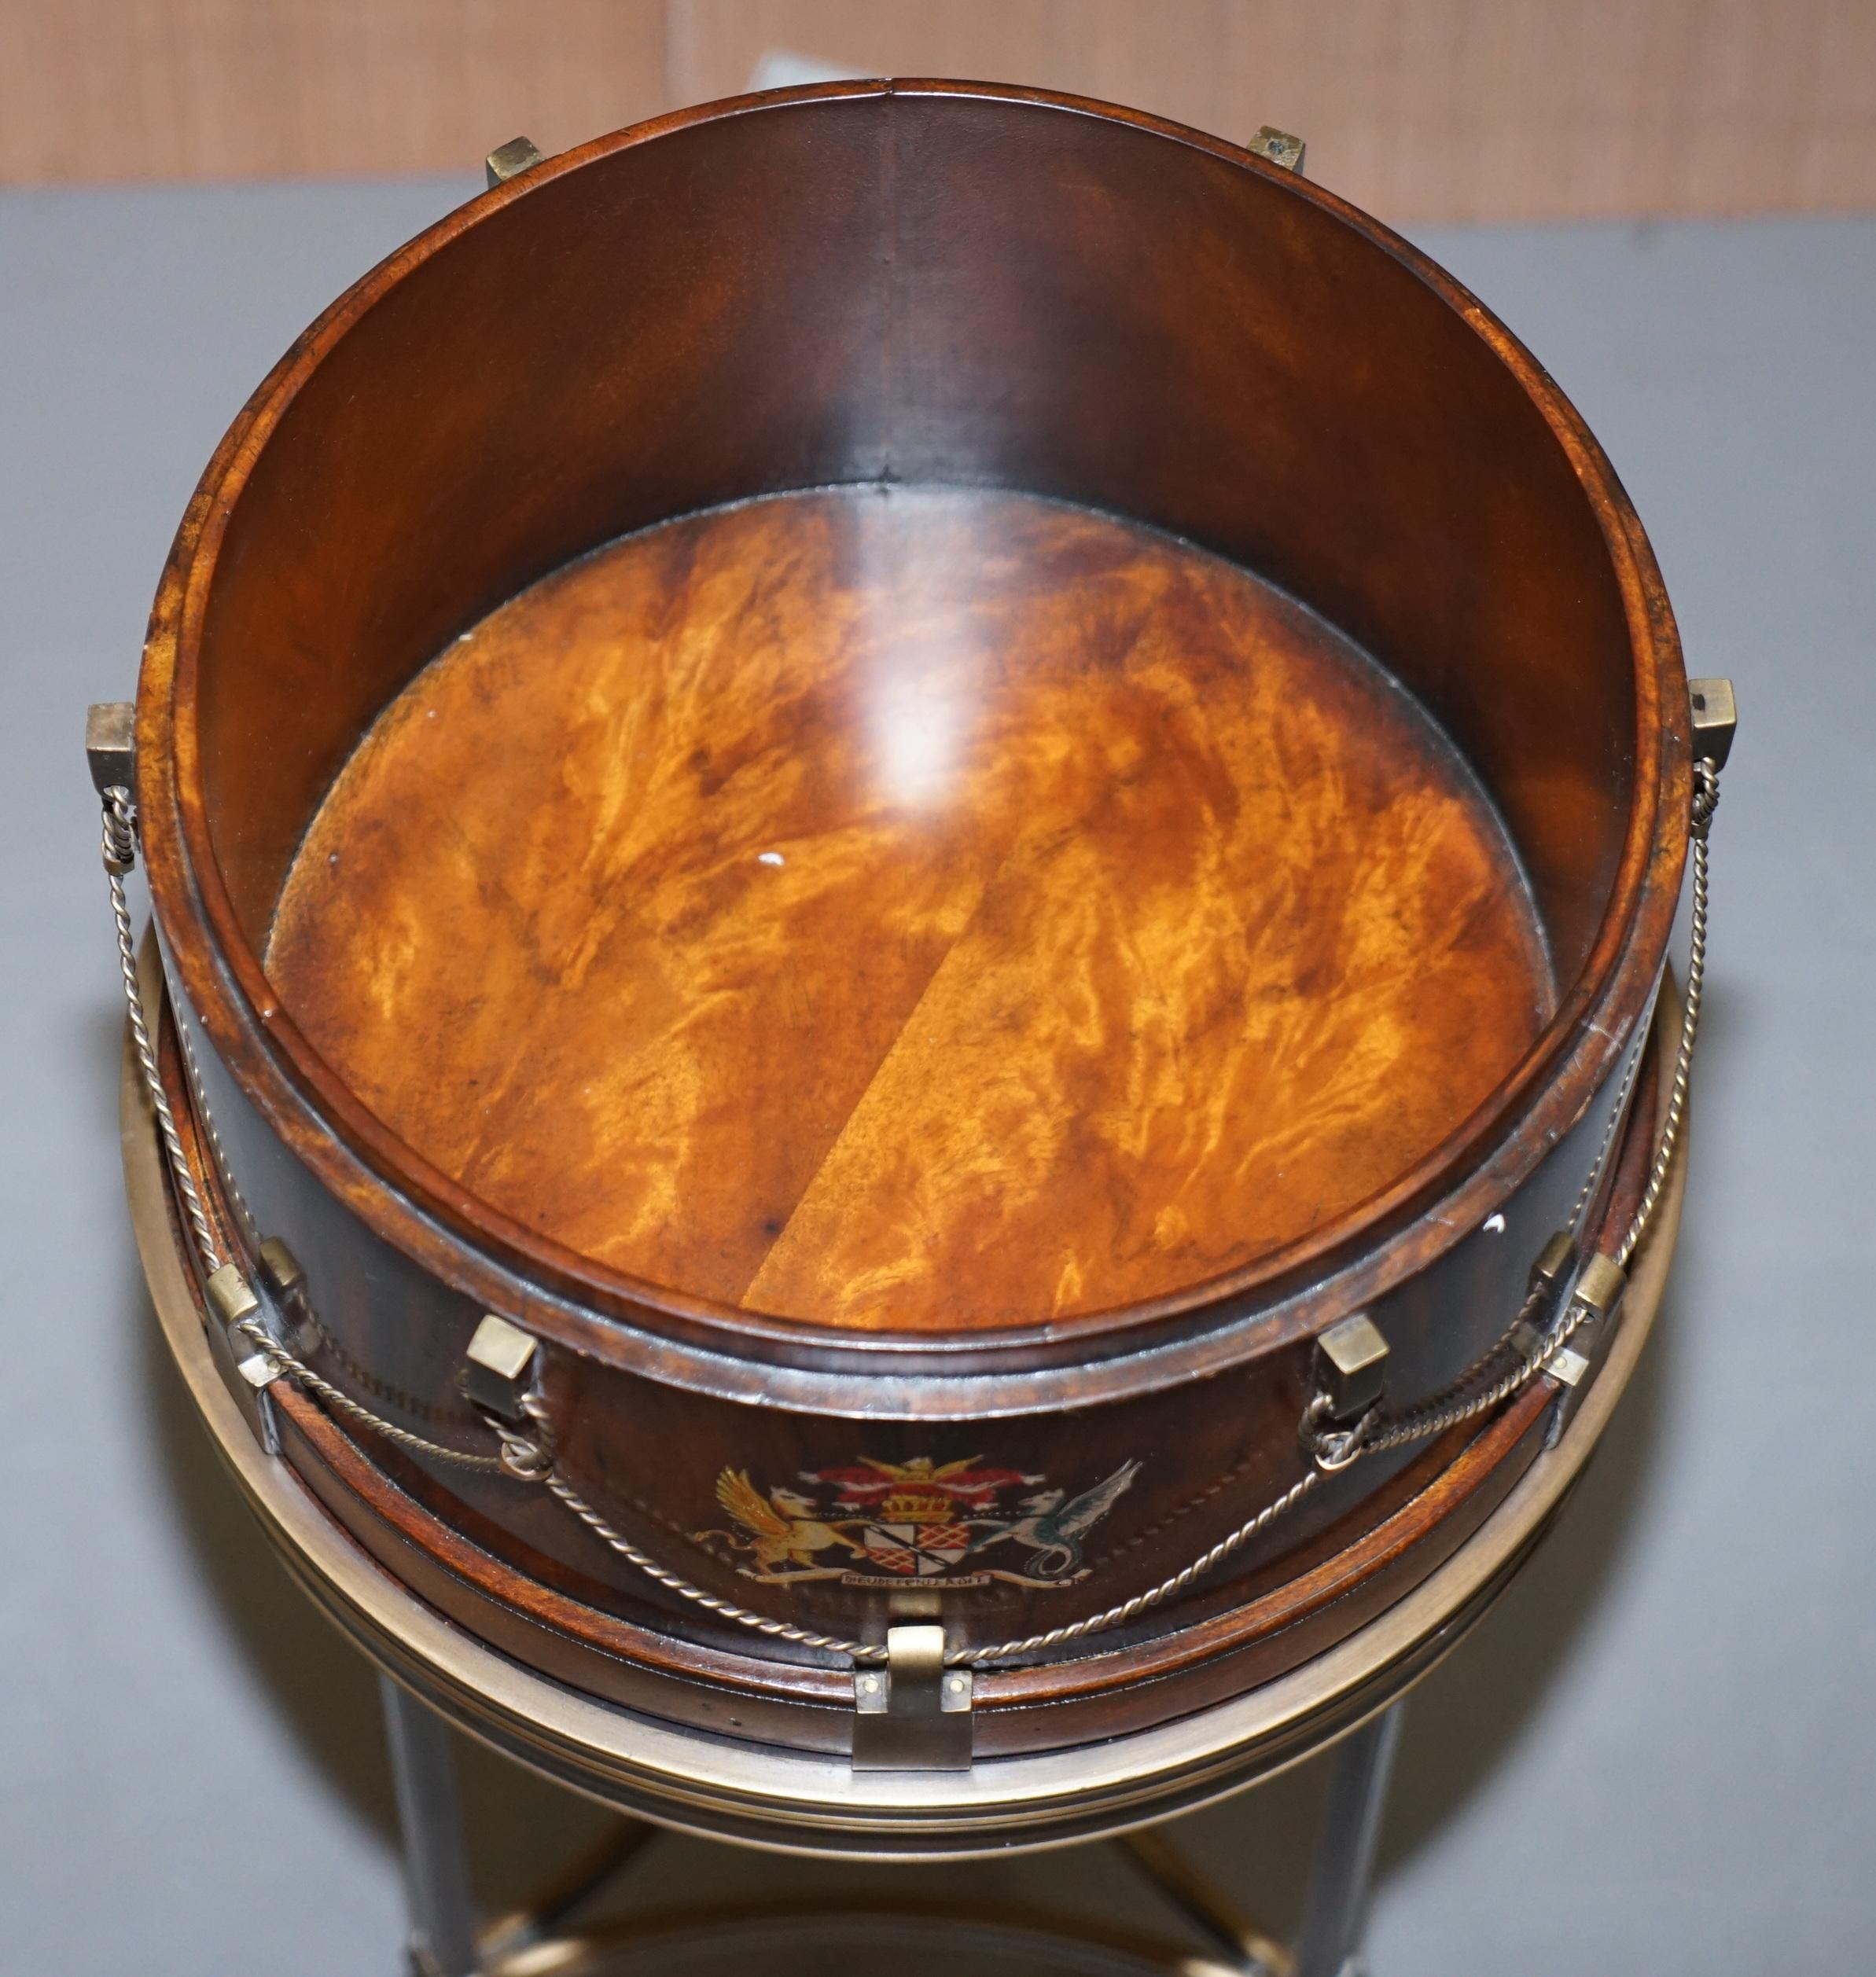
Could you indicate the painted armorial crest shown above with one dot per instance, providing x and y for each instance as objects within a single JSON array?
[{"x": 882, "y": 1524}]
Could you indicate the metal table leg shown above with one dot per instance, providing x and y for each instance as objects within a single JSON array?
[
  {"x": 437, "y": 1881},
  {"x": 443, "y": 1941},
  {"x": 1208, "y": 1908},
  {"x": 1341, "y": 1882}
]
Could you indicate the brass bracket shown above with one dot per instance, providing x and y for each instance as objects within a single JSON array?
[
  {"x": 1555, "y": 1265},
  {"x": 499, "y": 1368},
  {"x": 1351, "y": 1366},
  {"x": 509, "y": 160},
  {"x": 914, "y": 1714},
  {"x": 1599, "y": 1286},
  {"x": 280, "y": 1271},
  {"x": 110, "y": 744},
  {"x": 1716, "y": 718},
  {"x": 1277, "y": 148},
  {"x": 1598, "y": 1293},
  {"x": 232, "y": 1299}
]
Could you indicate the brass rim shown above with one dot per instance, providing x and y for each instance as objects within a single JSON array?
[{"x": 797, "y": 1802}]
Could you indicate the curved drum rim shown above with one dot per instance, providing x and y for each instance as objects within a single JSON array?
[
  {"x": 785, "y": 1801},
  {"x": 620, "y": 1319}
]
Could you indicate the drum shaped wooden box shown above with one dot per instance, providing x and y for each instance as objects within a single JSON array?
[{"x": 921, "y": 774}]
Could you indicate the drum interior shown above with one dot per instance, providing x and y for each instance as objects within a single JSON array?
[
  {"x": 919, "y": 908},
  {"x": 933, "y": 900}
]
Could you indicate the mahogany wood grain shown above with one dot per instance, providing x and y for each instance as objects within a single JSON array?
[{"x": 930, "y": 908}]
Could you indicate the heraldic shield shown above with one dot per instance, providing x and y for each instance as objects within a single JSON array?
[{"x": 886, "y": 1523}]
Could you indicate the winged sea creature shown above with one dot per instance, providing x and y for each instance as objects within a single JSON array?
[
  {"x": 782, "y": 1529},
  {"x": 1054, "y": 1529}
]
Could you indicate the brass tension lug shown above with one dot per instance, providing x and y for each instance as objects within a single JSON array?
[
  {"x": 1277, "y": 148},
  {"x": 499, "y": 1368},
  {"x": 1716, "y": 718},
  {"x": 510, "y": 159},
  {"x": 1597, "y": 1291},
  {"x": 111, "y": 755},
  {"x": 1351, "y": 1366},
  {"x": 914, "y": 1714},
  {"x": 280, "y": 1271},
  {"x": 1549, "y": 1275},
  {"x": 110, "y": 747},
  {"x": 232, "y": 1299},
  {"x": 501, "y": 1380},
  {"x": 1350, "y": 1369}
]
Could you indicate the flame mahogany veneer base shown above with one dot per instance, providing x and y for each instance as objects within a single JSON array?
[{"x": 938, "y": 909}]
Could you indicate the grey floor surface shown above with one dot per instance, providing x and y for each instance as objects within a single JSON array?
[{"x": 1657, "y": 1757}]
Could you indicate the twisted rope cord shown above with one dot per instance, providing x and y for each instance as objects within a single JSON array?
[
  {"x": 119, "y": 850},
  {"x": 1593, "y": 1179},
  {"x": 1141, "y": 1602},
  {"x": 672, "y": 1581},
  {"x": 956, "y": 1657},
  {"x": 1435, "y": 1416},
  {"x": 302, "y": 1375},
  {"x": 1706, "y": 801}
]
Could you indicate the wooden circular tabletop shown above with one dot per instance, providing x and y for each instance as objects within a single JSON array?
[{"x": 925, "y": 908}]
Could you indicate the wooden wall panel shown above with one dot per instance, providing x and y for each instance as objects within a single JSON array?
[
  {"x": 1419, "y": 109},
  {"x": 1415, "y": 108},
  {"x": 264, "y": 89}
]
